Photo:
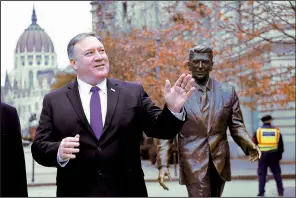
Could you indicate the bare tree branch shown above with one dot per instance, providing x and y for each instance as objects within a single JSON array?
[{"x": 292, "y": 6}]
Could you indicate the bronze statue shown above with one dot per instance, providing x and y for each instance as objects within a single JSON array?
[{"x": 203, "y": 148}]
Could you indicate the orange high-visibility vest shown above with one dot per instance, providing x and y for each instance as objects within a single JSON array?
[{"x": 268, "y": 138}]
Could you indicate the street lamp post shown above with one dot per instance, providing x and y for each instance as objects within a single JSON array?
[{"x": 33, "y": 123}]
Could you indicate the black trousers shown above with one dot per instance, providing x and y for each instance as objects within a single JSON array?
[
  {"x": 210, "y": 186},
  {"x": 271, "y": 160}
]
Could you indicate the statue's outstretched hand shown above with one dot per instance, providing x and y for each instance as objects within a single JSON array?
[
  {"x": 255, "y": 154},
  {"x": 161, "y": 175}
]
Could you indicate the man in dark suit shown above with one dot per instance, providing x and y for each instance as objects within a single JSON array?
[
  {"x": 13, "y": 167},
  {"x": 91, "y": 128},
  {"x": 204, "y": 155}
]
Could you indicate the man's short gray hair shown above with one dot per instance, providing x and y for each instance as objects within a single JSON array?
[{"x": 78, "y": 38}]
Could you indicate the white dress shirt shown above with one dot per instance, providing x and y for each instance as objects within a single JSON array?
[{"x": 85, "y": 95}]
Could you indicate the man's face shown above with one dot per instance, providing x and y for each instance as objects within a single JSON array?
[
  {"x": 200, "y": 66},
  {"x": 90, "y": 60}
]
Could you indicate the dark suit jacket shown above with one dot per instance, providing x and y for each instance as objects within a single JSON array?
[
  {"x": 196, "y": 141},
  {"x": 110, "y": 166},
  {"x": 13, "y": 168}
]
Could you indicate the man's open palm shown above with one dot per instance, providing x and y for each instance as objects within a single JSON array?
[{"x": 176, "y": 96}]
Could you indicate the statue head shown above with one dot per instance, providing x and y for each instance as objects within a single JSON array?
[{"x": 200, "y": 63}]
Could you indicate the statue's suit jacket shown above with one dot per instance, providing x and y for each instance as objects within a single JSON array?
[{"x": 199, "y": 139}]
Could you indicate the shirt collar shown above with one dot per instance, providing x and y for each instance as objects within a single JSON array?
[
  {"x": 266, "y": 124},
  {"x": 85, "y": 87},
  {"x": 208, "y": 85}
]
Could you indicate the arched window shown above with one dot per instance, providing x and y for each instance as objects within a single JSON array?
[
  {"x": 30, "y": 60},
  {"x": 23, "y": 60},
  {"x": 38, "y": 59},
  {"x": 46, "y": 60},
  {"x": 30, "y": 79},
  {"x": 124, "y": 5}
]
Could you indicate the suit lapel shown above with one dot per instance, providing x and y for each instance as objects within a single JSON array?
[
  {"x": 215, "y": 102},
  {"x": 74, "y": 97},
  {"x": 112, "y": 98},
  {"x": 192, "y": 107}
]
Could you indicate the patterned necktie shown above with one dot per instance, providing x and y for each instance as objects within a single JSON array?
[
  {"x": 95, "y": 112},
  {"x": 204, "y": 104}
]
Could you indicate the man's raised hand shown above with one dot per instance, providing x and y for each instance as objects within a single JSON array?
[{"x": 176, "y": 96}]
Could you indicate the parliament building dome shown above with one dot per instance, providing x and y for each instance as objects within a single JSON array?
[{"x": 34, "y": 39}]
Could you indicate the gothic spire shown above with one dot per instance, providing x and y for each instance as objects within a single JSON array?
[
  {"x": 34, "y": 17},
  {"x": 7, "y": 84}
]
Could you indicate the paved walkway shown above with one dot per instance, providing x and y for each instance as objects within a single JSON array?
[
  {"x": 241, "y": 170},
  {"x": 236, "y": 188}
]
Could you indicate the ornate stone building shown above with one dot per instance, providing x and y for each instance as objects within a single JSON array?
[{"x": 35, "y": 65}]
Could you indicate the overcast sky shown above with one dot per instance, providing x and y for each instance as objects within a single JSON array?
[{"x": 61, "y": 20}]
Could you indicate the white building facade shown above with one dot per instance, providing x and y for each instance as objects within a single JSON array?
[{"x": 35, "y": 66}]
